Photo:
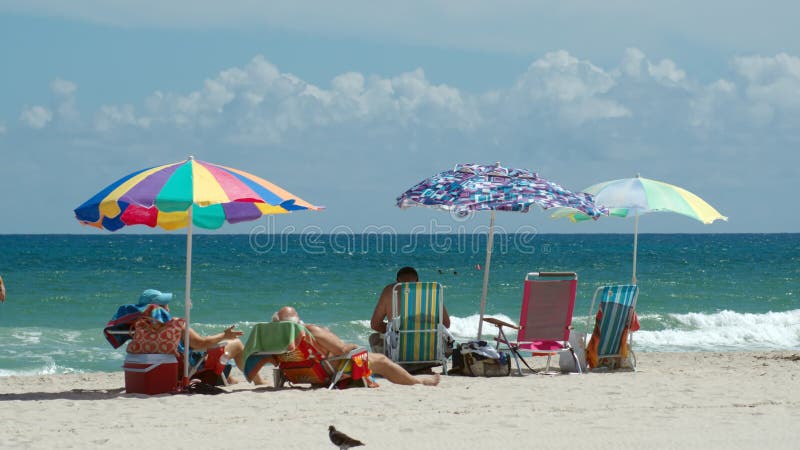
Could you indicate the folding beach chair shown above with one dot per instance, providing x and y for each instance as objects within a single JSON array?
[
  {"x": 415, "y": 333},
  {"x": 207, "y": 365},
  {"x": 204, "y": 365},
  {"x": 611, "y": 339},
  {"x": 545, "y": 320},
  {"x": 293, "y": 351}
]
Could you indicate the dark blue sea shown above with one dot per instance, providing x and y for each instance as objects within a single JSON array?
[{"x": 698, "y": 292}]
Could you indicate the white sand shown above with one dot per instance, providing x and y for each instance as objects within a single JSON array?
[{"x": 675, "y": 400}]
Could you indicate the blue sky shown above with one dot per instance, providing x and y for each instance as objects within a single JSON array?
[{"x": 347, "y": 104}]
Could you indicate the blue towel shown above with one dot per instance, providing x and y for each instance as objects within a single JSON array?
[{"x": 124, "y": 318}]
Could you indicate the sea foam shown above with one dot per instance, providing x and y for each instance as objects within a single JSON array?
[
  {"x": 721, "y": 331},
  {"x": 724, "y": 330}
]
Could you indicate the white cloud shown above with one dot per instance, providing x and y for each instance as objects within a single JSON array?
[
  {"x": 666, "y": 71},
  {"x": 632, "y": 62},
  {"x": 257, "y": 103},
  {"x": 65, "y": 92},
  {"x": 711, "y": 101},
  {"x": 569, "y": 118},
  {"x": 63, "y": 87},
  {"x": 773, "y": 81},
  {"x": 111, "y": 117},
  {"x": 575, "y": 89},
  {"x": 36, "y": 117}
]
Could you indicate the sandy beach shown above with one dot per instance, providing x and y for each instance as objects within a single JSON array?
[{"x": 675, "y": 400}]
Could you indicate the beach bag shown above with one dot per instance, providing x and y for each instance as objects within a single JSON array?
[
  {"x": 565, "y": 361},
  {"x": 153, "y": 336},
  {"x": 479, "y": 359}
]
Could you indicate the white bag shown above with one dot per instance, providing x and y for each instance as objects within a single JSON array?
[{"x": 578, "y": 342}]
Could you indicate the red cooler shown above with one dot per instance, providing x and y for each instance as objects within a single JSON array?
[{"x": 150, "y": 373}]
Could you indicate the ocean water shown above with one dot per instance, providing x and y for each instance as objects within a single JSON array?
[{"x": 698, "y": 292}]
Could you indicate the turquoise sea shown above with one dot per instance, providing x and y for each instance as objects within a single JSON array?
[{"x": 699, "y": 292}]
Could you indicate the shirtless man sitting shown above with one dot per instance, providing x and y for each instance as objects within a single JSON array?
[
  {"x": 383, "y": 309},
  {"x": 334, "y": 346}
]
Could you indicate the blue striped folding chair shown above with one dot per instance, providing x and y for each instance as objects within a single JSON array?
[
  {"x": 416, "y": 333},
  {"x": 611, "y": 338}
]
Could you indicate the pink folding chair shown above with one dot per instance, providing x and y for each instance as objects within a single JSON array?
[{"x": 545, "y": 320}]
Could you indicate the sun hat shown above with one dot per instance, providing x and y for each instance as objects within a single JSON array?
[{"x": 154, "y": 296}]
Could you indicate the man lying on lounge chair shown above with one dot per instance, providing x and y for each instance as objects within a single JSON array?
[{"x": 334, "y": 346}]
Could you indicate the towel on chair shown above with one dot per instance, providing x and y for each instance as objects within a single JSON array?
[{"x": 125, "y": 317}]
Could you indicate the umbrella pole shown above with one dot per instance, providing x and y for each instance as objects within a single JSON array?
[
  {"x": 489, "y": 245},
  {"x": 187, "y": 301},
  {"x": 635, "y": 243}
]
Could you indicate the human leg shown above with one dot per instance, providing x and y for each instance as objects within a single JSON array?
[
  {"x": 234, "y": 349},
  {"x": 385, "y": 367}
]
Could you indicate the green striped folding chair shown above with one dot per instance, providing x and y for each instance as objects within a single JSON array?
[
  {"x": 616, "y": 307},
  {"x": 416, "y": 333}
]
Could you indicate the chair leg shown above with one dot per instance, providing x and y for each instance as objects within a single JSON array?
[
  {"x": 336, "y": 378},
  {"x": 517, "y": 357},
  {"x": 575, "y": 358},
  {"x": 277, "y": 378}
]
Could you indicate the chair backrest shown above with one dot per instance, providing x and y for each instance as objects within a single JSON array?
[
  {"x": 617, "y": 304},
  {"x": 286, "y": 340},
  {"x": 548, "y": 300},
  {"x": 417, "y": 318},
  {"x": 277, "y": 343}
]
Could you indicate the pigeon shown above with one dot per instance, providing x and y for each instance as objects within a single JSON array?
[{"x": 342, "y": 440}]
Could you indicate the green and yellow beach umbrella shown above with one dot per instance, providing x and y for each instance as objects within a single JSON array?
[{"x": 636, "y": 196}]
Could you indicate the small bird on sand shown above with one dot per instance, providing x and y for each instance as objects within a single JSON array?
[{"x": 342, "y": 440}]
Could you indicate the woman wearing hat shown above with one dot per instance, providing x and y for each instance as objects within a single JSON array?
[{"x": 197, "y": 342}]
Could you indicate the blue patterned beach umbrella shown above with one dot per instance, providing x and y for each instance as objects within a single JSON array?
[{"x": 473, "y": 187}]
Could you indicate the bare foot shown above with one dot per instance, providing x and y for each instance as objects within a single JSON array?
[{"x": 430, "y": 380}]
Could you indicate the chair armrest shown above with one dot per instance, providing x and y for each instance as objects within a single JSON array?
[
  {"x": 500, "y": 323},
  {"x": 348, "y": 355}
]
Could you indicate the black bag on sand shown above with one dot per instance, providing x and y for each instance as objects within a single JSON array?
[
  {"x": 201, "y": 387},
  {"x": 479, "y": 359}
]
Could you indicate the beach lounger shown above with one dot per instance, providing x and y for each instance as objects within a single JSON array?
[
  {"x": 293, "y": 351},
  {"x": 615, "y": 321},
  {"x": 545, "y": 321},
  {"x": 415, "y": 333}
]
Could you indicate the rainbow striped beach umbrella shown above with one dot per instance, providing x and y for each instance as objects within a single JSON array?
[
  {"x": 186, "y": 194},
  {"x": 636, "y": 196},
  {"x": 162, "y": 196}
]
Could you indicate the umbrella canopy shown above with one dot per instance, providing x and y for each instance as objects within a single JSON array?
[
  {"x": 165, "y": 196},
  {"x": 184, "y": 194},
  {"x": 472, "y": 187},
  {"x": 636, "y": 196}
]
